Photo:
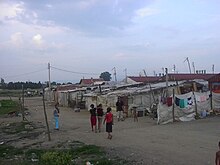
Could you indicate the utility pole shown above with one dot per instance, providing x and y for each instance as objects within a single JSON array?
[
  {"x": 213, "y": 68},
  {"x": 149, "y": 86},
  {"x": 45, "y": 115},
  {"x": 22, "y": 112},
  {"x": 145, "y": 73},
  {"x": 49, "y": 82},
  {"x": 174, "y": 68},
  {"x": 114, "y": 69},
  {"x": 194, "y": 69},
  {"x": 187, "y": 59},
  {"x": 166, "y": 72},
  {"x": 125, "y": 70}
]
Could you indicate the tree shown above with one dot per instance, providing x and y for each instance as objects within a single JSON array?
[
  {"x": 2, "y": 83},
  {"x": 106, "y": 76}
]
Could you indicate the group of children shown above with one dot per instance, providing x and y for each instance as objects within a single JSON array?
[{"x": 97, "y": 115}]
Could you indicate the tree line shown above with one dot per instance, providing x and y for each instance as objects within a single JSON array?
[
  {"x": 18, "y": 85},
  {"x": 32, "y": 85}
]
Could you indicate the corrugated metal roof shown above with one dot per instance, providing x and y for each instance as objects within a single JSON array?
[
  {"x": 90, "y": 81},
  {"x": 145, "y": 79}
]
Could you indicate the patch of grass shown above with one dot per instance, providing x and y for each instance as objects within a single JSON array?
[
  {"x": 37, "y": 152},
  {"x": 57, "y": 158},
  {"x": 87, "y": 150},
  {"x": 15, "y": 128},
  {"x": 8, "y": 106},
  {"x": 8, "y": 152},
  {"x": 76, "y": 156}
]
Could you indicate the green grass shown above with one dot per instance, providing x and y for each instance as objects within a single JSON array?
[
  {"x": 8, "y": 106},
  {"x": 10, "y": 93},
  {"x": 76, "y": 156}
]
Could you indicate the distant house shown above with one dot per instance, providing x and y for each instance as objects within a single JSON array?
[
  {"x": 90, "y": 82},
  {"x": 140, "y": 79}
]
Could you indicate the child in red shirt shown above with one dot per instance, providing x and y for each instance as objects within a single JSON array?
[
  {"x": 93, "y": 117},
  {"x": 109, "y": 122}
]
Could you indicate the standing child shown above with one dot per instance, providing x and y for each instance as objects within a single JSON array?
[
  {"x": 93, "y": 117},
  {"x": 99, "y": 115},
  {"x": 109, "y": 122},
  {"x": 56, "y": 117},
  {"x": 120, "y": 109},
  {"x": 135, "y": 114}
]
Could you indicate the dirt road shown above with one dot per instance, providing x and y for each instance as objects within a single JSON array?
[{"x": 144, "y": 142}]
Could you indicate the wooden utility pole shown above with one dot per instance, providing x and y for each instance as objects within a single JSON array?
[
  {"x": 174, "y": 68},
  {"x": 114, "y": 69},
  {"x": 125, "y": 70},
  {"x": 151, "y": 91},
  {"x": 213, "y": 69},
  {"x": 166, "y": 72},
  {"x": 195, "y": 104},
  {"x": 45, "y": 115},
  {"x": 49, "y": 82},
  {"x": 187, "y": 59},
  {"x": 22, "y": 107},
  {"x": 173, "y": 106},
  {"x": 211, "y": 99},
  {"x": 194, "y": 69}
]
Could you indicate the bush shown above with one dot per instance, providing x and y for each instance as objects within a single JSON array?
[{"x": 56, "y": 158}]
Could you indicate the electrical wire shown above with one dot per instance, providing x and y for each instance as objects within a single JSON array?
[
  {"x": 64, "y": 70},
  {"x": 24, "y": 74}
]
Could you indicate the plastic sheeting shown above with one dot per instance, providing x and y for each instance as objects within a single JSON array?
[
  {"x": 188, "y": 112},
  {"x": 216, "y": 101}
]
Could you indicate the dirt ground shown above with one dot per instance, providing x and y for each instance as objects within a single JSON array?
[{"x": 143, "y": 142}]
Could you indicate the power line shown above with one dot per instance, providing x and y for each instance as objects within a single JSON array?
[
  {"x": 64, "y": 70},
  {"x": 24, "y": 74}
]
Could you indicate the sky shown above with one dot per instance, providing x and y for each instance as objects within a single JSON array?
[{"x": 83, "y": 38}]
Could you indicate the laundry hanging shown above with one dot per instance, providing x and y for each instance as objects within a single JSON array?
[{"x": 169, "y": 101}]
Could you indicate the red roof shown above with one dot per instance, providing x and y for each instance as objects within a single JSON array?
[
  {"x": 89, "y": 81},
  {"x": 180, "y": 76},
  {"x": 144, "y": 79}
]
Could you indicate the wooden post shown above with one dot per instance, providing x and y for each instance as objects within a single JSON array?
[
  {"x": 173, "y": 106},
  {"x": 211, "y": 100},
  {"x": 166, "y": 71},
  {"x": 45, "y": 115},
  {"x": 22, "y": 107},
  {"x": 195, "y": 104}
]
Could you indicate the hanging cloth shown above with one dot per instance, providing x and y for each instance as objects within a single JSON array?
[
  {"x": 177, "y": 101},
  {"x": 169, "y": 101},
  {"x": 182, "y": 103}
]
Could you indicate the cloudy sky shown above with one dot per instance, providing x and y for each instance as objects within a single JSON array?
[{"x": 83, "y": 38}]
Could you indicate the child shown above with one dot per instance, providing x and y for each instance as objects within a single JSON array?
[
  {"x": 217, "y": 157},
  {"x": 56, "y": 117},
  {"x": 109, "y": 122},
  {"x": 93, "y": 117},
  {"x": 135, "y": 114},
  {"x": 100, "y": 115}
]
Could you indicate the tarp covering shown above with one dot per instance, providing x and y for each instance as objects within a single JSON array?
[
  {"x": 184, "y": 107},
  {"x": 216, "y": 101}
]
